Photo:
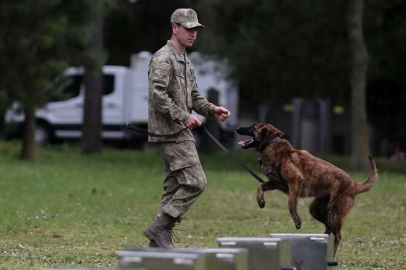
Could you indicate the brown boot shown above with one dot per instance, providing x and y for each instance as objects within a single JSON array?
[{"x": 160, "y": 233}]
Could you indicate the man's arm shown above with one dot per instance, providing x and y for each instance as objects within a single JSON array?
[
  {"x": 203, "y": 107},
  {"x": 221, "y": 113}
]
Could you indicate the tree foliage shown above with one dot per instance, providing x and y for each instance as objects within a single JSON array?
[
  {"x": 142, "y": 25},
  {"x": 289, "y": 47},
  {"x": 283, "y": 48},
  {"x": 38, "y": 40},
  {"x": 385, "y": 35},
  {"x": 277, "y": 49}
]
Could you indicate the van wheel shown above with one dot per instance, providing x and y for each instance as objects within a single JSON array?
[{"x": 43, "y": 134}]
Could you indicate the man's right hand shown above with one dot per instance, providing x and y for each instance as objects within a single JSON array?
[{"x": 193, "y": 122}]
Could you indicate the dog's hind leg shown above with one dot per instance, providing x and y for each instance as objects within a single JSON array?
[
  {"x": 338, "y": 209},
  {"x": 318, "y": 210},
  {"x": 262, "y": 187}
]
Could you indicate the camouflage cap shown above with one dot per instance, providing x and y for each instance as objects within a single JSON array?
[{"x": 186, "y": 17}]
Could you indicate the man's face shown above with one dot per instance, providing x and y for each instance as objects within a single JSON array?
[{"x": 185, "y": 36}]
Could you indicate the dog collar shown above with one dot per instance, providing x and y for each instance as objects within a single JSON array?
[{"x": 269, "y": 142}]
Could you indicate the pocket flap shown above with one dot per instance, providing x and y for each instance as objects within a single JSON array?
[
  {"x": 177, "y": 164},
  {"x": 179, "y": 155}
]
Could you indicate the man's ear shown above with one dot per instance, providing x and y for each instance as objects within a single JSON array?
[{"x": 175, "y": 28}]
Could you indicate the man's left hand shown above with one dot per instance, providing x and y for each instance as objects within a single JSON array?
[{"x": 221, "y": 113}]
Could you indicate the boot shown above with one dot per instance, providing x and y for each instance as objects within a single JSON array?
[
  {"x": 152, "y": 245},
  {"x": 160, "y": 233}
]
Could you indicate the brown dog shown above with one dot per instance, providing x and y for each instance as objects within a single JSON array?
[{"x": 300, "y": 174}]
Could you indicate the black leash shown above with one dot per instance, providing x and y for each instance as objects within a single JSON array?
[
  {"x": 146, "y": 133},
  {"x": 242, "y": 165}
]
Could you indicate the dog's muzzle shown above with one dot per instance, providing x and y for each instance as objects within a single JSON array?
[{"x": 247, "y": 131}]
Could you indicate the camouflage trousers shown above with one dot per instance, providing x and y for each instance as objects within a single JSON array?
[{"x": 185, "y": 179}]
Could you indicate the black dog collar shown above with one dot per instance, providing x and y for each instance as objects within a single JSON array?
[{"x": 269, "y": 142}]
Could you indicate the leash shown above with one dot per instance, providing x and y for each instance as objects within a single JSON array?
[
  {"x": 242, "y": 165},
  {"x": 146, "y": 133},
  {"x": 236, "y": 160}
]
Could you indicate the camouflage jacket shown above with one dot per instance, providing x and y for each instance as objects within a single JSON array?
[{"x": 173, "y": 94}]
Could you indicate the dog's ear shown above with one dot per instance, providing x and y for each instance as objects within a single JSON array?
[
  {"x": 279, "y": 133},
  {"x": 270, "y": 132},
  {"x": 264, "y": 134}
]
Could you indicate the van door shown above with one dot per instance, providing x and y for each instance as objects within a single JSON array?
[
  {"x": 65, "y": 110},
  {"x": 112, "y": 106}
]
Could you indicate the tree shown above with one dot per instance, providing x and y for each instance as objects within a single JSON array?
[
  {"x": 359, "y": 56},
  {"x": 38, "y": 40},
  {"x": 95, "y": 57}
]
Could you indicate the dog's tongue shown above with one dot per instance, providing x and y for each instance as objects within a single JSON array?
[{"x": 246, "y": 144}]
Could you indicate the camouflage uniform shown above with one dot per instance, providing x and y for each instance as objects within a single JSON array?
[{"x": 173, "y": 94}]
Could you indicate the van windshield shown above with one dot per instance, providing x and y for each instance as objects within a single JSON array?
[{"x": 67, "y": 88}]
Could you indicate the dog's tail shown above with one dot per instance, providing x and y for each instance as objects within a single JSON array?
[{"x": 372, "y": 178}]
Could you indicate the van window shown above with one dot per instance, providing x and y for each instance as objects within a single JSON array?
[
  {"x": 108, "y": 84},
  {"x": 67, "y": 88}
]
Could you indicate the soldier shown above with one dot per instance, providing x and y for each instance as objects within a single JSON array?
[{"x": 173, "y": 94}]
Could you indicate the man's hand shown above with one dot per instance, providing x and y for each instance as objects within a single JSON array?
[
  {"x": 221, "y": 113},
  {"x": 193, "y": 122}
]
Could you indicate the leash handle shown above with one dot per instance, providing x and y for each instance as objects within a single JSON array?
[{"x": 242, "y": 165}]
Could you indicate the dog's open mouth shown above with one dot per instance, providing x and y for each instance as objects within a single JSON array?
[
  {"x": 246, "y": 131},
  {"x": 247, "y": 144}
]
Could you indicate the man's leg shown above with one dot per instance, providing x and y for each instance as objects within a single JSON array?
[
  {"x": 182, "y": 163},
  {"x": 170, "y": 187},
  {"x": 192, "y": 182}
]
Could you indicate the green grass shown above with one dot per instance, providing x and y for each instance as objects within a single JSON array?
[{"x": 74, "y": 210}]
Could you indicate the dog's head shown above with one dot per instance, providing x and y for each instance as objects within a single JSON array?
[{"x": 260, "y": 133}]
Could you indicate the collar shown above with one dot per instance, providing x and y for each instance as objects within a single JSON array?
[
  {"x": 180, "y": 56},
  {"x": 269, "y": 142}
]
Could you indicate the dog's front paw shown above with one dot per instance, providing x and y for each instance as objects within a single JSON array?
[
  {"x": 261, "y": 202},
  {"x": 298, "y": 224}
]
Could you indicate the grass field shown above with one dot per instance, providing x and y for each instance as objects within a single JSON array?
[{"x": 67, "y": 209}]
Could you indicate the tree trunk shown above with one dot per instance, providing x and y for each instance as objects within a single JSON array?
[
  {"x": 93, "y": 80},
  {"x": 28, "y": 150},
  {"x": 359, "y": 65},
  {"x": 92, "y": 121}
]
